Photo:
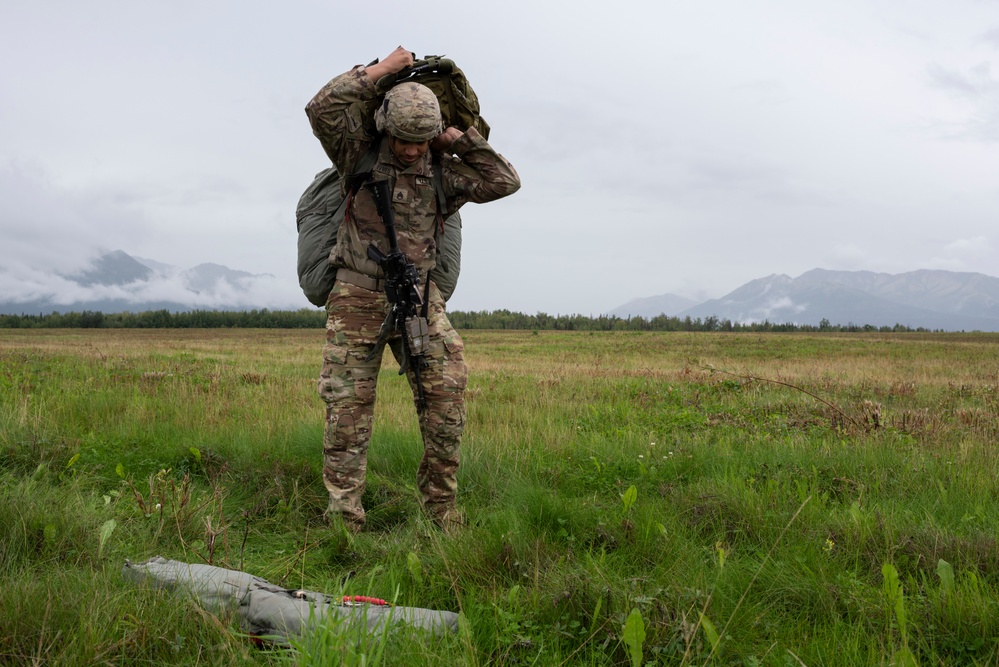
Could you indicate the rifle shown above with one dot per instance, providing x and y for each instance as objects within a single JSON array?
[{"x": 402, "y": 288}]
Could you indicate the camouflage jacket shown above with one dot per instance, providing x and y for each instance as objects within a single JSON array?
[{"x": 341, "y": 117}]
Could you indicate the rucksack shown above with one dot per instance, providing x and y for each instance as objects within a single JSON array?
[
  {"x": 459, "y": 103},
  {"x": 320, "y": 209},
  {"x": 320, "y": 213}
]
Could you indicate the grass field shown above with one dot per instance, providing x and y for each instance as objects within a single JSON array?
[{"x": 633, "y": 498}]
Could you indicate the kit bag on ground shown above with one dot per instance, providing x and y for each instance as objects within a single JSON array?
[
  {"x": 320, "y": 210},
  {"x": 277, "y": 613}
]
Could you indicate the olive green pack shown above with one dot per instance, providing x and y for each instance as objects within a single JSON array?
[
  {"x": 459, "y": 103},
  {"x": 319, "y": 215},
  {"x": 320, "y": 209}
]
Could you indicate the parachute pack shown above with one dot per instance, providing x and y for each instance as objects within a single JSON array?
[
  {"x": 320, "y": 213},
  {"x": 277, "y": 614},
  {"x": 320, "y": 210}
]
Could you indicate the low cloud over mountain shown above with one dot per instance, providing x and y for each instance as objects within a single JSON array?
[{"x": 118, "y": 282}]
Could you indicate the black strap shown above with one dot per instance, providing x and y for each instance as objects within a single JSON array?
[
  {"x": 362, "y": 169},
  {"x": 365, "y": 166},
  {"x": 426, "y": 300},
  {"x": 436, "y": 164}
]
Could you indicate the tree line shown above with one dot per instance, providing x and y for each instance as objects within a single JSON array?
[{"x": 307, "y": 318}]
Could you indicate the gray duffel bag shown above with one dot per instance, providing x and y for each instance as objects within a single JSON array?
[{"x": 268, "y": 611}]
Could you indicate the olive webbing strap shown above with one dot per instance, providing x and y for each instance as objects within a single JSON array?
[
  {"x": 363, "y": 167},
  {"x": 443, "y": 68},
  {"x": 442, "y": 211},
  {"x": 436, "y": 164}
]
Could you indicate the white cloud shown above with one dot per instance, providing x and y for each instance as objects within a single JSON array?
[
  {"x": 256, "y": 292},
  {"x": 48, "y": 227},
  {"x": 781, "y": 305},
  {"x": 963, "y": 255},
  {"x": 980, "y": 246},
  {"x": 849, "y": 256},
  {"x": 979, "y": 91},
  {"x": 664, "y": 147}
]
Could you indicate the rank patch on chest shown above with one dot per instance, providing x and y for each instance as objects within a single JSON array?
[{"x": 400, "y": 195}]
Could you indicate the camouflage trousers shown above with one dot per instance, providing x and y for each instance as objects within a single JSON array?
[{"x": 347, "y": 384}]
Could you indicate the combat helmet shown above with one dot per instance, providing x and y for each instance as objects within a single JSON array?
[{"x": 410, "y": 112}]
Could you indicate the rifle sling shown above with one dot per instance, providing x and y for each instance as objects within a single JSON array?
[
  {"x": 426, "y": 300},
  {"x": 361, "y": 174},
  {"x": 365, "y": 165}
]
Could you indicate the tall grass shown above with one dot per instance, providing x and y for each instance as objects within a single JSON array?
[{"x": 632, "y": 498}]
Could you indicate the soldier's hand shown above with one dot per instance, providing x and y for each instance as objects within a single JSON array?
[
  {"x": 398, "y": 60},
  {"x": 394, "y": 62},
  {"x": 443, "y": 141}
]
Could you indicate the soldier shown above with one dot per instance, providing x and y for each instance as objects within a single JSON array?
[{"x": 408, "y": 129}]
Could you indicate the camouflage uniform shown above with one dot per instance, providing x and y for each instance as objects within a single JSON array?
[{"x": 340, "y": 115}]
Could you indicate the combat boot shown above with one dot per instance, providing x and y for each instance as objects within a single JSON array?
[{"x": 447, "y": 517}]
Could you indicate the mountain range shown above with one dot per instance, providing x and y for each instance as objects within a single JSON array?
[
  {"x": 117, "y": 282},
  {"x": 946, "y": 300}
]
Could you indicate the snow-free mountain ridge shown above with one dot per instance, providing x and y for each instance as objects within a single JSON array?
[{"x": 931, "y": 299}]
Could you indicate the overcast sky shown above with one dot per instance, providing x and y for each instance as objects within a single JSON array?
[{"x": 664, "y": 147}]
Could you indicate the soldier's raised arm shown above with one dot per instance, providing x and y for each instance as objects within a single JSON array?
[
  {"x": 394, "y": 62},
  {"x": 476, "y": 172}
]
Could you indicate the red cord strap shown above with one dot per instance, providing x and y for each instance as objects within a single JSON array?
[{"x": 360, "y": 599}]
